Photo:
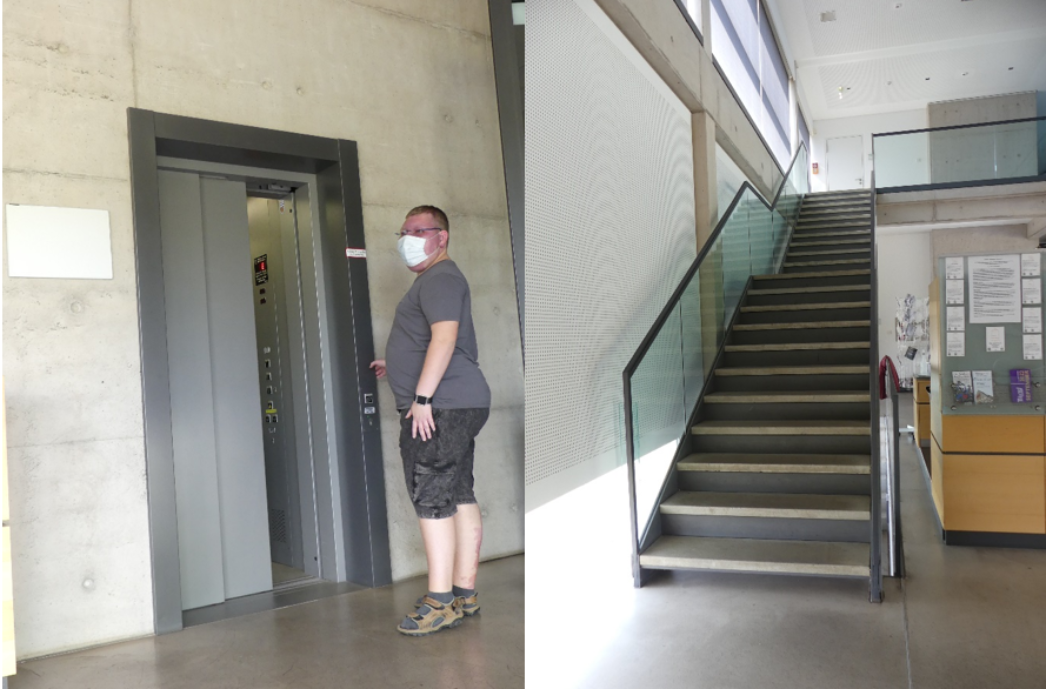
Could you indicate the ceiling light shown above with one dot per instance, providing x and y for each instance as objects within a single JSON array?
[
  {"x": 966, "y": 74},
  {"x": 1010, "y": 69},
  {"x": 927, "y": 78},
  {"x": 828, "y": 16}
]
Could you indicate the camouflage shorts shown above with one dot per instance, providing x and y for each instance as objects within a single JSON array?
[{"x": 438, "y": 471}]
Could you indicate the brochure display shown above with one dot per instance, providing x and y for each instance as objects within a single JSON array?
[
  {"x": 990, "y": 339},
  {"x": 987, "y": 455}
]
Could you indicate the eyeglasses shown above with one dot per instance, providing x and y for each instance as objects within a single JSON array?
[{"x": 415, "y": 233}]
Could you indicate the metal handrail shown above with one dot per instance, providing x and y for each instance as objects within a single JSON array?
[
  {"x": 655, "y": 330},
  {"x": 895, "y": 535},
  {"x": 957, "y": 126},
  {"x": 875, "y": 582}
]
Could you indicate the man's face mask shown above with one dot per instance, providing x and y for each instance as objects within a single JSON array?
[{"x": 412, "y": 250}]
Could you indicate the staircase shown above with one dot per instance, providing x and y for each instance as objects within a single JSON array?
[{"x": 779, "y": 476}]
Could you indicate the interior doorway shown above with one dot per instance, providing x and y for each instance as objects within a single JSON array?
[
  {"x": 263, "y": 448},
  {"x": 844, "y": 158}
]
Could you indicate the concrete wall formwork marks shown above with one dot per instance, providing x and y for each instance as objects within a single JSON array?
[{"x": 411, "y": 81}]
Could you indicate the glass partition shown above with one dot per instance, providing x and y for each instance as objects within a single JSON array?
[
  {"x": 968, "y": 154},
  {"x": 665, "y": 378}
]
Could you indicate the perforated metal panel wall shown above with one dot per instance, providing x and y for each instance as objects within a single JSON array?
[{"x": 610, "y": 213}]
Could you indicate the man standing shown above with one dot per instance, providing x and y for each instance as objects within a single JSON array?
[{"x": 443, "y": 400}]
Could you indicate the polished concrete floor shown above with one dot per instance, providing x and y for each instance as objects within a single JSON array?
[
  {"x": 340, "y": 642},
  {"x": 965, "y": 618}
]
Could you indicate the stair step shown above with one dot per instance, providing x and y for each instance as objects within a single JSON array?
[
  {"x": 808, "y": 290},
  {"x": 792, "y": 253},
  {"x": 803, "y": 427},
  {"x": 807, "y": 307},
  {"x": 800, "y": 236},
  {"x": 777, "y": 397},
  {"x": 769, "y": 505},
  {"x": 755, "y": 555},
  {"x": 793, "y": 370},
  {"x": 840, "y": 262},
  {"x": 823, "y": 274},
  {"x": 802, "y": 326},
  {"x": 848, "y": 242},
  {"x": 728, "y": 462},
  {"x": 820, "y": 223}
]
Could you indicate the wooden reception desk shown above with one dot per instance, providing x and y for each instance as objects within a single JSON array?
[{"x": 988, "y": 479}]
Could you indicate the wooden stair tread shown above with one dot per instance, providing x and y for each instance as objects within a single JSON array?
[
  {"x": 777, "y": 397},
  {"x": 789, "y": 427},
  {"x": 716, "y": 462},
  {"x": 755, "y": 555},
  {"x": 769, "y": 505}
]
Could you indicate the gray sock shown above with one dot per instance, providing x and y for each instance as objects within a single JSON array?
[
  {"x": 445, "y": 598},
  {"x": 463, "y": 593}
]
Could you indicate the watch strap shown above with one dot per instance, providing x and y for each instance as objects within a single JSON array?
[{"x": 421, "y": 399}]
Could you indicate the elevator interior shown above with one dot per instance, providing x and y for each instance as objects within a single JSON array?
[{"x": 241, "y": 415}]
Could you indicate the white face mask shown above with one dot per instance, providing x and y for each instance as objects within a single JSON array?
[{"x": 412, "y": 250}]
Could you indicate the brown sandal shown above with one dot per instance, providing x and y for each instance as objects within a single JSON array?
[{"x": 432, "y": 617}]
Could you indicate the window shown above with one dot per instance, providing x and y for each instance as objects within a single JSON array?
[
  {"x": 804, "y": 131},
  {"x": 744, "y": 47}
]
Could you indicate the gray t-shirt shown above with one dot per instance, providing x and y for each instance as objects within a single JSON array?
[{"x": 441, "y": 293}]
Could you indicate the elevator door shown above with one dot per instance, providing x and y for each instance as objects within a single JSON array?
[
  {"x": 275, "y": 284},
  {"x": 220, "y": 486}
]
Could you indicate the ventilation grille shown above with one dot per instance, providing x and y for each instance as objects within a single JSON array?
[
  {"x": 277, "y": 526},
  {"x": 610, "y": 228}
]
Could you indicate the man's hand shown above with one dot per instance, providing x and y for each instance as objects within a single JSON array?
[
  {"x": 379, "y": 367},
  {"x": 423, "y": 425}
]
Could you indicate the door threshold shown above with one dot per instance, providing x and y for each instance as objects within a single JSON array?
[{"x": 291, "y": 593}]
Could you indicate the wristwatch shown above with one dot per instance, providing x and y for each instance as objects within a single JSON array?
[{"x": 421, "y": 399}]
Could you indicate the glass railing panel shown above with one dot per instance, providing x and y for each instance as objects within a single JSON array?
[
  {"x": 959, "y": 155},
  {"x": 691, "y": 303},
  {"x": 659, "y": 412},
  {"x": 737, "y": 254}
]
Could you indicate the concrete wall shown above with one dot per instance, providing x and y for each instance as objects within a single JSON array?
[
  {"x": 1012, "y": 106},
  {"x": 863, "y": 126},
  {"x": 411, "y": 81},
  {"x": 980, "y": 240}
]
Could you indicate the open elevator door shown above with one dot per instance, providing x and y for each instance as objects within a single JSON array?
[{"x": 243, "y": 469}]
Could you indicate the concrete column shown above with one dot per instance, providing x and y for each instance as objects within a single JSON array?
[{"x": 705, "y": 199}]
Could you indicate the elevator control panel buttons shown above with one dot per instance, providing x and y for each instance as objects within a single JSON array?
[
  {"x": 268, "y": 363},
  {"x": 268, "y": 376},
  {"x": 368, "y": 398},
  {"x": 370, "y": 410},
  {"x": 261, "y": 269}
]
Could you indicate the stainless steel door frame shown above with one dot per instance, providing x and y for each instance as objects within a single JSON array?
[{"x": 353, "y": 544}]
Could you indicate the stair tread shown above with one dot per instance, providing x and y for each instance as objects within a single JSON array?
[
  {"x": 828, "y": 252},
  {"x": 776, "y": 463},
  {"x": 807, "y": 307},
  {"x": 778, "y": 396},
  {"x": 845, "y": 233},
  {"x": 824, "y": 274},
  {"x": 800, "y": 326},
  {"x": 774, "y": 505},
  {"x": 852, "y": 242},
  {"x": 756, "y": 555},
  {"x": 803, "y": 264},
  {"x": 809, "y": 290},
  {"x": 787, "y": 427},
  {"x": 797, "y": 346},
  {"x": 792, "y": 370}
]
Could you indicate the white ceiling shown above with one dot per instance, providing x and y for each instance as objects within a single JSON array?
[{"x": 893, "y": 55}]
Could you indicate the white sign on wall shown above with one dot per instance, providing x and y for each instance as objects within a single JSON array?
[{"x": 49, "y": 242}]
